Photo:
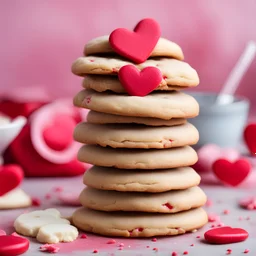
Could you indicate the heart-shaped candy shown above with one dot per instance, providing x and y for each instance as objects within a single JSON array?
[
  {"x": 250, "y": 137},
  {"x": 231, "y": 173},
  {"x": 136, "y": 45},
  {"x": 225, "y": 235},
  {"x": 13, "y": 245},
  {"x": 10, "y": 177},
  {"x": 59, "y": 134},
  {"x": 139, "y": 83}
]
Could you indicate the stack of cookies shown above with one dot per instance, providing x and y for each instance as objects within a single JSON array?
[{"x": 140, "y": 184}]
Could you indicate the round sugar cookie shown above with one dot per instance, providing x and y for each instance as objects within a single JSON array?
[
  {"x": 136, "y": 136},
  {"x": 141, "y": 180},
  {"x": 112, "y": 83},
  {"x": 94, "y": 117},
  {"x": 164, "y": 47},
  {"x": 163, "y": 105},
  {"x": 165, "y": 202},
  {"x": 138, "y": 158},
  {"x": 15, "y": 199},
  {"x": 136, "y": 224},
  {"x": 175, "y": 72}
]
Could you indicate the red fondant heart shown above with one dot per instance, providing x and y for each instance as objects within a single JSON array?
[
  {"x": 13, "y": 245},
  {"x": 138, "y": 45},
  {"x": 10, "y": 177},
  {"x": 59, "y": 134},
  {"x": 231, "y": 173},
  {"x": 225, "y": 235},
  {"x": 250, "y": 138},
  {"x": 139, "y": 83}
]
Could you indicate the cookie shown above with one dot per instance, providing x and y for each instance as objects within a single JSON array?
[
  {"x": 136, "y": 136},
  {"x": 165, "y": 202},
  {"x": 138, "y": 158},
  {"x": 163, "y": 105},
  {"x": 130, "y": 224},
  {"x": 112, "y": 83},
  {"x": 163, "y": 48},
  {"x": 15, "y": 199},
  {"x": 175, "y": 72},
  {"x": 141, "y": 180},
  {"x": 94, "y": 117}
]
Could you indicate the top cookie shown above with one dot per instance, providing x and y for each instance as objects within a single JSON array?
[
  {"x": 175, "y": 72},
  {"x": 163, "y": 48}
]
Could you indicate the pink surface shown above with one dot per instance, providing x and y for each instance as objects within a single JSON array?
[{"x": 40, "y": 39}]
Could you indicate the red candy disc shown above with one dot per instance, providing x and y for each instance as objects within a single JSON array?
[
  {"x": 13, "y": 245},
  {"x": 225, "y": 235},
  {"x": 136, "y": 45}
]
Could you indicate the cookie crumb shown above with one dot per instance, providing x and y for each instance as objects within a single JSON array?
[
  {"x": 49, "y": 248},
  {"x": 229, "y": 251},
  {"x": 57, "y": 189},
  {"x": 36, "y": 201},
  {"x": 209, "y": 203},
  {"x": 112, "y": 241},
  {"x": 48, "y": 196},
  {"x": 194, "y": 230},
  {"x": 226, "y": 212},
  {"x": 83, "y": 236}
]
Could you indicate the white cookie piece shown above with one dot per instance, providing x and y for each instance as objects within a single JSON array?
[
  {"x": 56, "y": 233},
  {"x": 28, "y": 224},
  {"x": 15, "y": 199}
]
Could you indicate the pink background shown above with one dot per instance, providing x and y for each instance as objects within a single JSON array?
[{"x": 40, "y": 39}]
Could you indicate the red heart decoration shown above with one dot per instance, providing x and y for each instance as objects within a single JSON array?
[
  {"x": 225, "y": 235},
  {"x": 59, "y": 134},
  {"x": 231, "y": 173},
  {"x": 13, "y": 245},
  {"x": 250, "y": 138},
  {"x": 10, "y": 177},
  {"x": 139, "y": 83},
  {"x": 136, "y": 45}
]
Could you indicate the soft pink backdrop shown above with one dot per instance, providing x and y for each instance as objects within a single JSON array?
[{"x": 40, "y": 39}]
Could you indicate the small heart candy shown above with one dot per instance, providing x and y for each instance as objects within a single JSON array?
[
  {"x": 250, "y": 138},
  {"x": 225, "y": 235},
  {"x": 139, "y": 83},
  {"x": 59, "y": 134},
  {"x": 136, "y": 45},
  {"x": 13, "y": 245},
  {"x": 10, "y": 177},
  {"x": 231, "y": 173}
]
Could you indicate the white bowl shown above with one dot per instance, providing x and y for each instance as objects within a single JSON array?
[{"x": 9, "y": 130}]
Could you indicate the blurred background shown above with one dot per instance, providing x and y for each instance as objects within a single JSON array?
[{"x": 41, "y": 39}]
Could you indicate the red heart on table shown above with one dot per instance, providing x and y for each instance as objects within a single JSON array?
[
  {"x": 231, "y": 173},
  {"x": 136, "y": 45},
  {"x": 10, "y": 177},
  {"x": 225, "y": 235},
  {"x": 250, "y": 138},
  {"x": 13, "y": 245},
  {"x": 139, "y": 83},
  {"x": 59, "y": 134}
]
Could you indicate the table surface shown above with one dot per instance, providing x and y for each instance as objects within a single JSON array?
[{"x": 223, "y": 198}]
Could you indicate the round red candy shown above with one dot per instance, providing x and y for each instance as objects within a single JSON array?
[{"x": 13, "y": 245}]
